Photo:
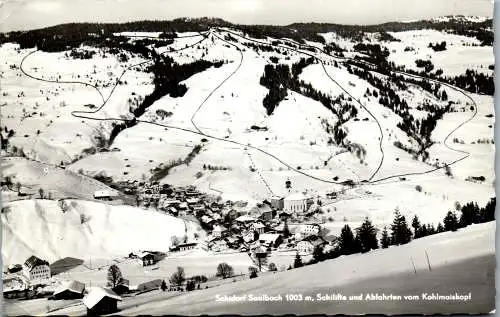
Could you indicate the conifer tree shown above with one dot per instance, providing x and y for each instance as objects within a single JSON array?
[
  {"x": 470, "y": 214},
  {"x": 347, "y": 241},
  {"x": 385, "y": 241},
  {"x": 430, "y": 229},
  {"x": 318, "y": 254},
  {"x": 401, "y": 234},
  {"x": 488, "y": 212},
  {"x": 298, "y": 261},
  {"x": 286, "y": 230},
  {"x": 367, "y": 236},
  {"x": 450, "y": 221},
  {"x": 417, "y": 228},
  {"x": 440, "y": 228}
]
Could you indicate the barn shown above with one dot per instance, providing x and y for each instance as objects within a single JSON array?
[
  {"x": 101, "y": 301},
  {"x": 70, "y": 290}
]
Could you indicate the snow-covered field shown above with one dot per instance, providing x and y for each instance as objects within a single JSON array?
[
  {"x": 84, "y": 229},
  {"x": 328, "y": 277},
  {"x": 461, "y": 52},
  {"x": 53, "y": 180}
]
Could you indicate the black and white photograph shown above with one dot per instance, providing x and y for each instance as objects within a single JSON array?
[{"x": 247, "y": 157}]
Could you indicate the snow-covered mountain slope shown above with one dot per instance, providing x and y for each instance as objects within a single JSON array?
[
  {"x": 222, "y": 110},
  {"x": 84, "y": 229}
]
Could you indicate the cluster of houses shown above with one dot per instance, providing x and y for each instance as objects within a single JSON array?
[
  {"x": 233, "y": 226},
  {"x": 35, "y": 272},
  {"x": 277, "y": 223}
]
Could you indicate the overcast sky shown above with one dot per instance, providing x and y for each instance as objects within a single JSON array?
[{"x": 30, "y": 14}]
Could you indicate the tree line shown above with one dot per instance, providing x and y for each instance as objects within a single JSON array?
[{"x": 364, "y": 238}]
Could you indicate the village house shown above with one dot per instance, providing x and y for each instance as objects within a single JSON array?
[
  {"x": 250, "y": 236},
  {"x": 277, "y": 203},
  {"x": 186, "y": 246},
  {"x": 307, "y": 230},
  {"x": 192, "y": 201},
  {"x": 268, "y": 215},
  {"x": 271, "y": 239},
  {"x": 308, "y": 244},
  {"x": 233, "y": 242},
  {"x": 198, "y": 209},
  {"x": 100, "y": 301},
  {"x": 259, "y": 227},
  {"x": 218, "y": 245},
  {"x": 168, "y": 203},
  {"x": 69, "y": 290},
  {"x": 36, "y": 270},
  {"x": 218, "y": 231}
]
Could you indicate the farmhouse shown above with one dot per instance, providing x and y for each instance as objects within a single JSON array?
[
  {"x": 307, "y": 245},
  {"x": 70, "y": 290},
  {"x": 295, "y": 203},
  {"x": 146, "y": 258},
  {"x": 36, "y": 270},
  {"x": 101, "y": 301}
]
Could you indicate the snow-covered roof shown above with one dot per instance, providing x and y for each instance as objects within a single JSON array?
[
  {"x": 219, "y": 228},
  {"x": 96, "y": 294},
  {"x": 73, "y": 286},
  {"x": 296, "y": 196},
  {"x": 34, "y": 261},
  {"x": 245, "y": 218},
  {"x": 258, "y": 225},
  {"x": 143, "y": 254},
  {"x": 101, "y": 193},
  {"x": 269, "y": 237}
]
